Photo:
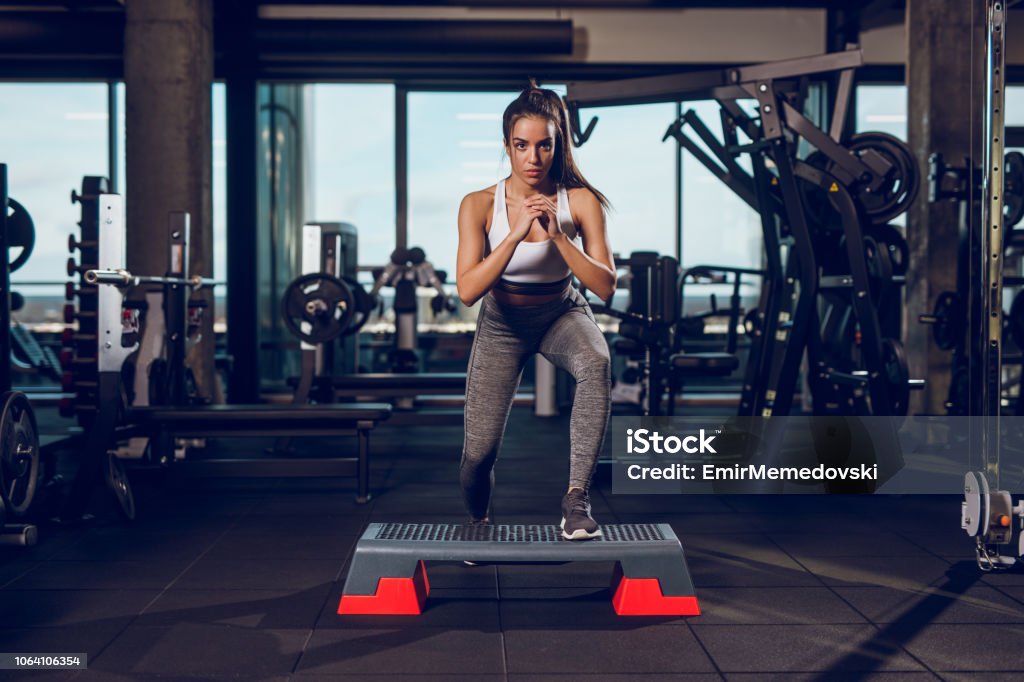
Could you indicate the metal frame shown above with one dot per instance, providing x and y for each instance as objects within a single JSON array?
[
  {"x": 789, "y": 310},
  {"x": 113, "y": 119},
  {"x": 991, "y": 234},
  {"x": 5, "y": 288},
  {"x": 718, "y": 84},
  {"x": 401, "y": 166},
  {"x": 242, "y": 317}
]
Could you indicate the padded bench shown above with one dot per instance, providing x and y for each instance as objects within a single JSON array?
[
  {"x": 402, "y": 388},
  {"x": 704, "y": 364},
  {"x": 392, "y": 385},
  {"x": 212, "y": 421}
]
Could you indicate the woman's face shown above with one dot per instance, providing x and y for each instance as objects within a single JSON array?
[{"x": 531, "y": 149}]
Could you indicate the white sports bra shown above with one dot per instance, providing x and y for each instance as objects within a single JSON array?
[{"x": 533, "y": 262}]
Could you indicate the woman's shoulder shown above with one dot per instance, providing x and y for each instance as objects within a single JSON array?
[
  {"x": 481, "y": 199},
  {"x": 582, "y": 197}
]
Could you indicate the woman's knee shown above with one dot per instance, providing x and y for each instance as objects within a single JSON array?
[{"x": 592, "y": 365}]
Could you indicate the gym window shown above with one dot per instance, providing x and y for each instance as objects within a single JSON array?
[
  {"x": 51, "y": 135},
  {"x": 454, "y": 147},
  {"x": 719, "y": 228},
  {"x": 627, "y": 161},
  {"x": 353, "y": 162}
]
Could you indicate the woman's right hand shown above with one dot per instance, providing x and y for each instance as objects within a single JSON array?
[{"x": 523, "y": 221}]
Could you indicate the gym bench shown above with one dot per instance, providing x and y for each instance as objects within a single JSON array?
[
  {"x": 403, "y": 389},
  {"x": 212, "y": 421},
  {"x": 394, "y": 385}
]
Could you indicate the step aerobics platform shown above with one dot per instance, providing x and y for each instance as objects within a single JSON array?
[{"x": 388, "y": 574}]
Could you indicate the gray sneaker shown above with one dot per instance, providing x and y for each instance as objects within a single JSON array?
[{"x": 577, "y": 523}]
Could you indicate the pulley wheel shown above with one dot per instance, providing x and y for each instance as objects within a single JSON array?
[
  {"x": 976, "y": 495},
  {"x": 318, "y": 307},
  {"x": 21, "y": 233},
  {"x": 19, "y": 454}
]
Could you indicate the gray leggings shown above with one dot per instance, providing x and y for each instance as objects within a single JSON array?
[{"x": 564, "y": 332}]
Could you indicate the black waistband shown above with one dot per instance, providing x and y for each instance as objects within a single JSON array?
[{"x": 532, "y": 288}]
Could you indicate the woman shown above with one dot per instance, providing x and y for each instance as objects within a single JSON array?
[{"x": 520, "y": 242}]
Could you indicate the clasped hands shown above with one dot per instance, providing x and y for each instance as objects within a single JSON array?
[{"x": 536, "y": 209}]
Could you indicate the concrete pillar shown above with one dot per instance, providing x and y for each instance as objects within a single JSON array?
[
  {"x": 945, "y": 60},
  {"x": 168, "y": 71}
]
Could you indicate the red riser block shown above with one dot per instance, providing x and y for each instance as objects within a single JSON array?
[
  {"x": 395, "y": 597},
  {"x": 643, "y": 597}
]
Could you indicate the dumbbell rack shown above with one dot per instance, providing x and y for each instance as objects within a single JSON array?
[{"x": 78, "y": 356}]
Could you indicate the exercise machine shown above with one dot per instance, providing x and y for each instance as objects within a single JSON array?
[
  {"x": 407, "y": 269},
  {"x": 117, "y": 338},
  {"x": 652, "y": 328},
  {"x": 827, "y": 266}
]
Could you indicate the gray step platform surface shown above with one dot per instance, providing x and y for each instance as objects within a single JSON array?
[{"x": 643, "y": 550}]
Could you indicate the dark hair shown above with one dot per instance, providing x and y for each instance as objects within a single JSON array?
[{"x": 546, "y": 104}]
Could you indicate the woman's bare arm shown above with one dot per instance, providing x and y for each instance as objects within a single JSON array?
[
  {"x": 475, "y": 274},
  {"x": 594, "y": 267}
]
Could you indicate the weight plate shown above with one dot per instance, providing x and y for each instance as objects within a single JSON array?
[
  {"x": 876, "y": 258},
  {"x": 117, "y": 481},
  {"x": 317, "y": 307},
  {"x": 896, "y": 244},
  {"x": 19, "y": 454},
  {"x": 976, "y": 495},
  {"x": 897, "y": 373},
  {"x": 21, "y": 233},
  {"x": 400, "y": 256},
  {"x": 1013, "y": 189},
  {"x": 364, "y": 305},
  {"x": 900, "y": 184},
  {"x": 417, "y": 255},
  {"x": 949, "y": 314}
]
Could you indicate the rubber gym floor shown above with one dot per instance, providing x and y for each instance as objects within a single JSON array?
[{"x": 241, "y": 579}]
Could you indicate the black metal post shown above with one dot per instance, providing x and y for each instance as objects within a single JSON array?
[
  {"x": 243, "y": 331},
  {"x": 5, "y": 289}
]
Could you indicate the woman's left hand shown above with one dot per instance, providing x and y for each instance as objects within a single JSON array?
[{"x": 542, "y": 203}]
